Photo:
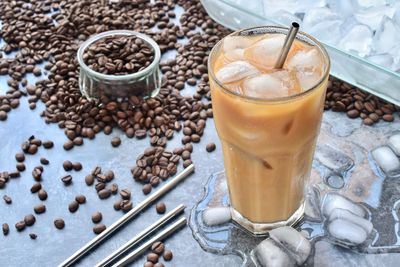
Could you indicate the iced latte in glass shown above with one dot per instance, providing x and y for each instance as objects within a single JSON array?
[{"x": 268, "y": 121}]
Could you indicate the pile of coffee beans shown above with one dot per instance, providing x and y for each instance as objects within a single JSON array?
[
  {"x": 342, "y": 97},
  {"x": 158, "y": 251},
  {"x": 119, "y": 55}
]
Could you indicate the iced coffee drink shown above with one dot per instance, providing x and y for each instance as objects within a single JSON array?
[{"x": 268, "y": 121}]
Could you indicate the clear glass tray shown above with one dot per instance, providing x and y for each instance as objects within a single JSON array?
[{"x": 353, "y": 69}]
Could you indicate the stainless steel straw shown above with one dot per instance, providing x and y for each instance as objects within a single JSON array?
[
  {"x": 161, "y": 236},
  {"x": 146, "y": 232},
  {"x": 287, "y": 45},
  {"x": 132, "y": 213}
]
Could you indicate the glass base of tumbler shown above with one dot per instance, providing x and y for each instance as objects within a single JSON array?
[{"x": 263, "y": 228}]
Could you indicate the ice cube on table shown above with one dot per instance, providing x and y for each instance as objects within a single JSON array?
[
  {"x": 333, "y": 201},
  {"x": 236, "y": 71},
  {"x": 295, "y": 243},
  {"x": 373, "y": 16},
  {"x": 351, "y": 217},
  {"x": 347, "y": 232},
  {"x": 344, "y": 8},
  {"x": 233, "y": 47},
  {"x": 358, "y": 39},
  {"x": 384, "y": 60},
  {"x": 386, "y": 160},
  {"x": 387, "y": 36},
  {"x": 265, "y": 52},
  {"x": 216, "y": 216},
  {"x": 269, "y": 254},
  {"x": 271, "y": 85},
  {"x": 333, "y": 158},
  {"x": 326, "y": 31},
  {"x": 394, "y": 144},
  {"x": 317, "y": 15}
]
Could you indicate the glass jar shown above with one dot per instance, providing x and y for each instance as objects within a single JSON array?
[{"x": 144, "y": 83}]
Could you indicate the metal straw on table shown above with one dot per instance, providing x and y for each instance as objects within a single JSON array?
[
  {"x": 145, "y": 233},
  {"x": 161, "y": 236},
  {"x": 132, "y": 213}
]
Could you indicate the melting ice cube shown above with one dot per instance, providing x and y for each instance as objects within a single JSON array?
[
  {"x": 387, "y": 160},
  {"x": 333, "y": 159},
  {"x": 387, "y": 36},
  {"x": 295, "y": 243},
  {"x": 270, "y": 85},
  {"x": 326, "y": 31},
  {"x": 357, "y": 39},
  {"x": 234, "y": 46},
  {"x": 332, "y": 201},
  {"x": 344, "y": 8},
  {"x": 216, "y": 216},
  {"x": 394, "y": 143},
  {"x": 317, "y": 15},
  {"x": 306, "y": 60},
  {"x": 265, "y": 52},
  {"x": 268, "y": 254},
  {"x": 347, "y": 232},
  {"x": 373, "y": 16},
  {"x": 236, "y": 71},
  {"x": 351, "y": 217}
]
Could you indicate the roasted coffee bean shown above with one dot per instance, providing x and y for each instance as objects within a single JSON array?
[
  {"x": 44, "y": 161},
  {"x": 14, "y": 174},
  {"x": 125, "y": 193},
  {"x": 81, "y": 199},
  {"x": 388, "y": 117},
  {"x": 109, "y": 176},
  {"x": 187, "y": 163},
  {"x": 59, "y": 223},
  {"x": 73, "y": 206},
  {"x": 146, "y": 189},
  {"x": 168, "y": 255},
  {"x": 20, "y": 167},
  {"x": 189, "y": 147},
  {"x": 67, "y": 179},
  {"x": 117, "y": 205},
  {"x": 68, "y": 145},
  {"x": 6, "y": 228},
  {"x": 42, "y": 194},
  {"x": 148, "y": 264},
  {"x": 7, "y": 199},
  {"x": 104, "y": 193},
  {"x": 77, "y": 166},
  {"x": 354, "y": 113},
  {"x": 154, "y": 181},
  {"x": 97, "y": 217},
  {"x": 89, "y": 179},
  {"x": 3, "y": 115},
  {"x": 98, "y": 228},
  {"x": 39, "y": 209},
  {"x": 157, "y": 247},
  {"x": 159, "y": 264},
  {"x": 20, "y": 226},
  {"x": 67, "y": 165},
  {"x": 32, "y": 149},
  {"x": 33, "y": 236},
  {"x": 29, "y": 219},
  {"x": 36, "y": 187},
  {"x": 20, "y": 157},
  {"x": 368, "y": 121},
  {"x": 114, "y": 188},
  {"x": 161, "y": 208},
  {"x": 48, "y": 144},
  {"x": 185, "y": 155},
  {"x": 96, "y": 171},
  {"x": 115, "y": 141},
  {"x": 152, "y": 257},
  {"x": 126, "y": 205},
  {"x": 100, "y": 186},
  {"x": 78, "y": 141},
  {"x": 101, "y": 178}
]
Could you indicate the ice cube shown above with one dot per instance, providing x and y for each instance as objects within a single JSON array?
[
  {"x": 370, "y": 3},
  {"x": 233, "y": 47},
  {"x": 347, "y": 232},
  {"x": 351, "y": 217},
  {"x": 285, "y": 18},
  {"x": 384, "y": 60},
  {"x": 236, "y": 71},
  {"x": 394, "y": 144},
  {"x": 216, "y": 216},
  {"x": 265, "y": 52},
  {"x": 386, "y": 160},
  {"x": 387, "y": 36},
  {"x": 268, "y": 254},
  {"x": 358, "y": 39},
  {"x": 333, "y": 201},
  {"x": 306, "y": 60},
  {"x": 333, "y": 159},
  {"x": 326, "y": 31},
  {"x": 271, "y": 85},
  {"x": 373, "y": 16},
  {"x": 307, "y": 79},
  {"x": 344, "y": 8},
  {"x": 317, "y": 15},
  {"x": 295, "y": 243}
]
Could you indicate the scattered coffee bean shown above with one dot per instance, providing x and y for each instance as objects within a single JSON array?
[
  {"x": 32, "y": 149},
  {"x": 89, "y": 179},
  {"x": 67, "y": 179},
  {"x": 7, "y": 199},
  {"x": 187, "y": 163},
  {"x": 42, "y": 194},
  {"x": 3, "y": 115},
  {"x": 152, "y": 257},
  {"x": 185, "y": 155},
  {"x": 37, "y": 174},
  {"x": 68, "y": 145},
  {"x": 125, "y": 193},
  {"x": 97, "y": 217},
  {"x": 47, "y": 144},
  {"x": 33, "y": 236},
  {"x": 39, "y": 209},
  {"x": 20, "y": 226},
  {"x": 109, "y": 175},
  {"x": 98, "y": 228},
  {"x": 81, "y": 199},
  {"x": 6, "y": 229},
  {"x": 67, "y": 165},
  {"x": 20, "y": 167},
  {"x": 44, "y": 161},
  {"x": 77, "y": 166},
  {"x": 59, "y": 223},
  {"x": 115, "y": 141},
  {"x": 104, "y": 193},
  {"x": 167, "y": 255},
  {"x": 20, "y": 157},
  {"x": 36, "y": 187},
  {"x": 117, "y": 204},
  {"x": 100, "y": 186},
  {"x": 29, "y": 219},
  {"x": 210, "y": 147},
  {"x": 161, "y": 208},
  {"x": 126, "y": 205},
  {"x": 114, "y": 188},
  {"x": 73, "y": 206},
  {"x": 146, "y": 189},
  {"x": 158, "y": 247},
  {"x": 159, "y": 264},
  {"x": 148, "y": 264},
  {"x": 78, "y": 141}
]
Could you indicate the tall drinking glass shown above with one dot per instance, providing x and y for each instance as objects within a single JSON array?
[{"x": 268, "y": 122}]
